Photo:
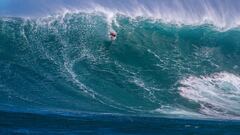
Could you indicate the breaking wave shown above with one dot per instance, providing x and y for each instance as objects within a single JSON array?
[{"x": 67, "y": 62}]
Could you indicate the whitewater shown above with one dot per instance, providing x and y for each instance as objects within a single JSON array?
[{"x": 171, "y": 60}]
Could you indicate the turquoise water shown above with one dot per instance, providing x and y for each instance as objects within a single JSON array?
[{"x": 67, "y": 64}]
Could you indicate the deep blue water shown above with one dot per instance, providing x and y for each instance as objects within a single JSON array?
[
  {"x": 61, "y": 73},
  {"x": 98, "y": 124}
]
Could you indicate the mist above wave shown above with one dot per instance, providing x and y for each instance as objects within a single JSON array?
[{"x": 222, "y": 14}]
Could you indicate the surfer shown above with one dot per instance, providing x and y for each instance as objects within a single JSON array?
[{"x": 113, "y": 35}]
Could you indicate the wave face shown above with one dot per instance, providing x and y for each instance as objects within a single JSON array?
[{"x": 68, "y": 63}]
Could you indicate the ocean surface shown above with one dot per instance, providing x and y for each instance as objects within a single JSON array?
[{"x": 61, "y": 74}]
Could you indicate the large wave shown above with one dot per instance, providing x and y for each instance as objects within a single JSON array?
[{"x": 67, "y": 62}]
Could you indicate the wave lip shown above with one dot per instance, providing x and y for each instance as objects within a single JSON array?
[
  {"x": 222, "y": 14},
  {"x": 217, "y": 94}
]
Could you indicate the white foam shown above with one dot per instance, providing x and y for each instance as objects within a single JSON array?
[
  {"x": 223, "y": 15},
  {"x": 177, "y": 112},
  {"x": 218, "y": 94}
]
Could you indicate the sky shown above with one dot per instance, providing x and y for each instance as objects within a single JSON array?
[{"x": 43, "y": 7}]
